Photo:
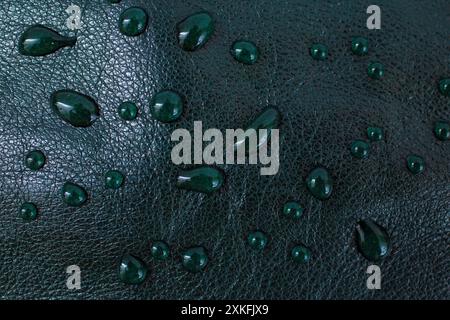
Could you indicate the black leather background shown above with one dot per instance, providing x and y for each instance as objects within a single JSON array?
[{"x": 324, "y": 105}]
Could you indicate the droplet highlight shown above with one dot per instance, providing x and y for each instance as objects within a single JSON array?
[
  {"x": 73, "y": 194},
  {"x": 375, "y": 70},
  {"x": 360, "y": 46},
  {"x": 133, "y": 21},
  {"x": 359, "y": 149},
  {"x": 415, "y": 164},
  {"x": 442, "y": 130},
  {"x": 35, "y": 160},
  {"x": 245, "y": 52},
  {"x": 202, "y": 179},
  {"x": 160, "y": 250},
  {"x": 194, "y": 31},
  {"x": 372, "y": 240},
  {"x": 320, "y": 183},
  {"x": 194, "y": 259},
  {"x": 292, "y": 210},
  {"x": 132, "y": 270},
  {"x": 38, "y": 40},
  {"x": 75, "y": 108},
  {"x": 28, "y": 211},
  {"x": 301, "y": 254},
  {"x": 114, "y": 179},
  {"x": 319, "y": 51},
  {"x": 127, "y": 111},
  {"x": 257, "y": 240}
]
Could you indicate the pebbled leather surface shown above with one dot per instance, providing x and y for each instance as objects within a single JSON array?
[{"x": 325, "y": 105}]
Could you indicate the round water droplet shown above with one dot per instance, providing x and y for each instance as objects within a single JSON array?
[
  {"x": 75, "y": 108},
  {"x": 73, "y": 195},
  {"x": 257, "y": 240},
  {"x": 160, "y": 250},
  {"x": 375, "y": 70},
  {"x": 133, "y": 21},
  {"x": 38, "y": 40},
  {"x": 360, "y": 46},
  {"x": 114, "y": 179},
  {"x": 319, "y": 183},
  {"x": 375, "y": 134},
  {"x": 202, "y": 179},
  {"x": 415, "y": 164},
  {"x": 245, "y": 52},
  {"x": 194, "y": 31},
  {"x": 132, "y": 270},
  {"x": 444, "y": 87},
  {"x": 127, "y": 111},
  {"x": 359, "y": 149},
  {"x": 292, "y": 210},
  {"x": 194, "y": 259},
  {"x": 28, "y": 211},
  {"x": 166, "y": 106},
  {"x": 372, "y": 240},
  {"x": 300, "y": 254},
  {"x": 35, "y": 160},
  {"x": 319, "y": 51},
  {"x": 442, "y": 130}
]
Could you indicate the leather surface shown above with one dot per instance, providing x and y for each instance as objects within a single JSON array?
[{"x": 324, "y": 105}]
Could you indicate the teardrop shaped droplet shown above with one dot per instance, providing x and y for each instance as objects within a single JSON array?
[
  {"x": 442, "y": 130},
  {"x": 301, "y": 254},
  {"x": 375, "y": 70},
  {"x": 444, "y": 87},
  {"x": 372, "y": 239},
  {"x": 160, "y": 250},
  {"x": 28, "y": 211},
  {"x": 166, "y": 106},
  {"x": 375, "y": 134},
  {"x": 127, "y": 111},
  {"x": 257, "y": 240},
  {"x": 38, "y": 40},
  {"x": 35, "y": 160},
  {"x": 132, "y": 270},
  {"x": 415, "y": 164},
  {"x": 195, "y": 31},
  {"x": 194, "y": 259},
  {"x": 360, "y": 46},
  {"x": 359, "y": 149},
  {"x": 202, "y": 179},
  {"x": 319, "y": 183},
  {"x": 75, "y": 108},
  {"x": 73, "y": 194},
  {"x": 133, "y": 21},
  {"x": 245, "y": 52},
  {"x": 319, "y": 51},
  {"x": 114, "y": 179},
  {"x": 293, "y": 210}
]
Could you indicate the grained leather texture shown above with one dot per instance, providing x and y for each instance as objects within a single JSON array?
[{"x": 325, "y": 105}]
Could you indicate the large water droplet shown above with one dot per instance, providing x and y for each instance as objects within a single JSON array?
[
  {"x": 360, "y": 46},
  {"x": 194, "y": 259},
  {"x": 415, "y": 164},
  {"x": 75, "y": 108},
  {"x": 293, "y": 210},
  {"x": 133, "y": 21},
  {"x": 166, "y": 106},
  {"x": 73, "y": 195},
  {"x": 257, "y": 240},
  {"x": 35, "y": 160},
  {"x": 28, "y": 211},
  {"x": 202, "y": 179},
  {"x": 319, "y": 183},
  {"x": 39, "y": 41},
  {"x": 375, "y": 70},
  {"x": 160, "y": 250},
  {"x": 132, "y": 270},
  {"x": 359, "y": 149},
  {"x": 372, "y": 239},
  {"x": 442, "y": 130},
  {"x": 301, "y": 254},
  {"x": 245, "y": 52},
  {"x": 195, "y": 31},
  {"x": 114, "y": 179}
]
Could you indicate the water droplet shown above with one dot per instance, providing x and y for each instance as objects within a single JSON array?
[
  {"x": 114, "y": 179},
  {"x": 245, "y": 52},
  {"x": 74, "y": 195},
  {"x": 319, "y": 183},
  {"x": 133, "y": 21},
  {"x": 160, "y": 250},
  {"x": 375, "y": 134},
  {"x": 202, "y": 179},
  {"x": 359, "y": 149},
  {"x": 292, "y": 210},
  {"x": 444, "y": 87},
  {"x": 28, "y": 211},
  {"x": 35, "y": 160},
  {"x": 166, "y": 106},
  {"x": 257, "y": 240},
  {"x": 300, "y": 254},
  {"x": 38, "y": 40},
  {"x": 319, "y": 51},
  {"x": 415, "y": 164},
  {"x": 195, "y": 31},
  {"x": 372, "y": 239},
  {"x": 375, "y": 70},
  {"x": 75, "y": 108},
  {"x": 127, "y": 111},
  {"x": 194, "y": 259},
  {"x": 132, "y": 270},
  {"x": 360, "y": 46},
  {"x": 442, "y": 130}
]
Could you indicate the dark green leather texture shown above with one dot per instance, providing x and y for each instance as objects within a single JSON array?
[{"x": 324, "y": 106}]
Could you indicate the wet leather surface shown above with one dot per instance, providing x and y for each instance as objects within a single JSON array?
[{"x": 325, "y": 105}]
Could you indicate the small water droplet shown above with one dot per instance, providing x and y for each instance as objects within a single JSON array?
[
  {"x": 73, "y": 195},
  {"x": 359, "y": 149},
  {"x": 75, "y": 108},
  {"x": 194, "y": 259},
  {"x": 360, "y": 46},
  {"x": 38, "y": 40},
  {"x": 133, "y": 21},
  {"x": 415, "y": 164},
  {"x": 444, "y": 86},
  {"x": 28, "y": 211},
  {"x": 114, "y": 179},
  {"x": 166, "y": 106},
  {"x": 375, "y": 134},
  {"x": 319, "y": 51},
  {"x": 160, "y": 250},
  {"x": 195, "y": 31},
  {"x": 375, "y": 70},
  {"x": 245, "y": 52},
  {"x": 292, "y": 210},
  {"x": 35, "y": 160},
  {"x": 372, "y": 239},
  {"x": 127, "y": 111},
  {"x": 319, "y": 183},
  {"x": 442, "y": 130},
  {"x": 257, "y": 240},
  {"x": 132, "y": 270},
  {"x": 301, "y": 254},
  {"x": 203, "y": 179}
]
